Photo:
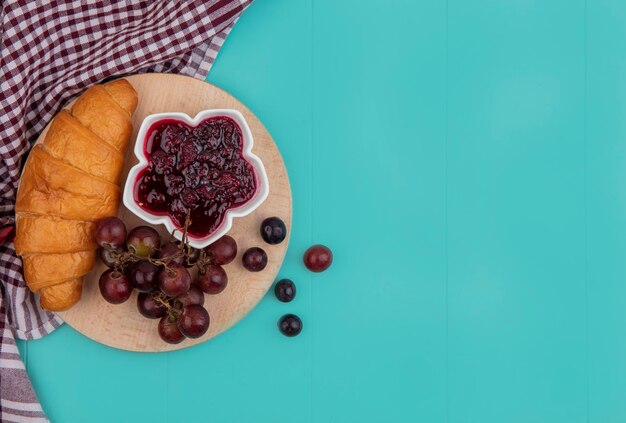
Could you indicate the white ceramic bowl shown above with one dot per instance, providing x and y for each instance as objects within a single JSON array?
[{"x": 259, "y": 196}]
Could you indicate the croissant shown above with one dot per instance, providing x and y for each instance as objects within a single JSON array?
[{"x": 69, "y": 182}]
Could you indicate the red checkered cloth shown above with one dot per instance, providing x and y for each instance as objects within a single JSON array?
[{"x": 51, "y": 51}]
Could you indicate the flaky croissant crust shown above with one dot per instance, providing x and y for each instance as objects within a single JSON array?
[{"x": 69, "y": 182}]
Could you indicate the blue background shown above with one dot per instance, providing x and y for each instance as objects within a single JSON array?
[{"x": 466, "y": 161}]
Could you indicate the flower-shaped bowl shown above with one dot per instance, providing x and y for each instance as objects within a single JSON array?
[{"x": 140, "y": 148}]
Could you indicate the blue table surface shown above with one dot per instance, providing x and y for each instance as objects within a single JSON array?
[{"x": 466, "y": 161}]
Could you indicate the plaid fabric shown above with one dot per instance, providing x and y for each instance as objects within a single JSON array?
[{"x": 51, "y": 51}]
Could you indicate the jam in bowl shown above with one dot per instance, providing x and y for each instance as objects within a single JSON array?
[{"x": 201, "y": 168}]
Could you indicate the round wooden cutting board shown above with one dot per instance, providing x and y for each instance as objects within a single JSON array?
[{"x": 121, "y": 326}]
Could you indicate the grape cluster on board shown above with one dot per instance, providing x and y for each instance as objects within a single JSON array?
[{"x": 159, "y": 272}]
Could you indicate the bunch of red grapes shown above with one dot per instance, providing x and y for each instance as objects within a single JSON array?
[{"x": 160, "y": 274}]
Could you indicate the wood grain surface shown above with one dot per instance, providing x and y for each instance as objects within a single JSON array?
[{"x": 121, "y": 326}]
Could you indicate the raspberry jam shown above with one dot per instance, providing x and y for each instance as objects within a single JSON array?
[{"x": 198, "y": 171}]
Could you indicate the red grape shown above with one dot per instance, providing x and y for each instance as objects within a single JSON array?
[
  {"x": 254, "y": 259},
  {"x": 168, "y": 330},
  {"x": 109, "y": 257},
  {"x": 290, "y": 325},
  {"x": 149, "y": 307},
  {"x": 143, "y": 241},
  {"x": 193, "y": 296},
  {"x": 273, "y": 230},
  {"x": 174, "y": 280},
  {"x": 194, "y": 321},
  {"x": 144, "y": 276},
  {"x": 213, "y": 280},
  {"x": 115, "y": 286},
  {"x": 222, "y": 251},
  {"x": 285, "y": 290},
  {"x": 169, "y": 250},
  {"x": 110, "y": 233},
  {"x": 318, "y": 258}
]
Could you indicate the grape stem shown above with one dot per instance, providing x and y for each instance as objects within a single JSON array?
[
  {"x": 184, "y": 245},
  {"x": 203, "y": 261},
  {"x": 128, "y": 257},
  {"x": 171, "y": 311}
]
